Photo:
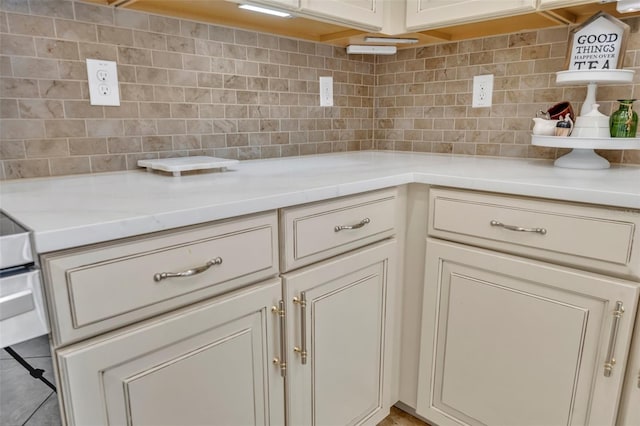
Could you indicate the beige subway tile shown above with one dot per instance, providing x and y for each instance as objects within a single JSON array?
[
  {"x": 152, "y": 75},
  {"x": 520, "y": 68},
  {"x": 15, "y": 169},
  {"x": 126, "y": 73},
  {"x": 104, "y": 128},
  {"x": 489, "y": 149},
  {"x": 194, "y": 29},
  {"x": 134, "y": 56},
  {"x": 516, "y": 124},
  {"x": 97, "y": 51},
  {"x": 136, "y": 92},
  {"x": 522, "y": 39},
  {"x": 40, "y": 108},
  {"x": 196, "y": 63},
  {"x": 18, "y": 88},
  {"x": 5, "y": 66},
  {"x": 495, "y": 43},
  {"x": 30, "y": 25},
  {"x": 87, "y": 146},
  {"x": 183, "y": 78},
  {"x": 132, "y": 159},
  {"x": 507, "y": 55},
  {"x": 60, "y": 89},
  {"x": 548, "y": 65},
  {"x": 234, "y": 51},
  {"x": 211, "y": 111},
  {"x": 184, "y": 110},
  {"x": 12, "y": 149},
  {"x": 50, "y": 48},
  {"x": 553, "y": 35},
  {"x": 213, "y": 141},
  {"x": 148, "y": 40},
  {"x": 22, "y": 129},
  {"x": 478, "y": 58},
  {"x": 181, "y": 44},
  {"x": 19, "y": 6},
  {"x": 78, "y": 31},
  {"x": 131, "y": 19},
  {"x": 9, "y": 108},
  {"x": 45, "y": 148},
  {"x": 157, "y": 143},
  {"x": 536, "y": 52},
  {"x": 518, "y": 96},
  {"x": 82, "y": 109},
  {"x": 65, "y": 128},
  {"x": 108, "y": 163},
  {"x": 548, "y": 95},
  {"x": 168, "y": 94},
  {"x": 72, "y": 70},
  {"x": 154, "y": 110},
  {"x": 197, "y": 95},
  {"x": 208, "y": 48},
  {"x": 541, "y": 152},
  {"x": 120, "y": 145},
  {"x": 115, "y": 35},
  {"x": 502, "y": 137},
  {"x": 166, "y": 59},
  {"x": 210, "y": 80},
  {"x": 160, "y": 24},
  {"x": 70, "y": 166},
  {"x": 171, "y": 127},
  {"x": 508, "y": 150},
  {"x": 34, "y": 67},
  {"x": 140, "y": 127},
  {"x": 558, "y": 50},
  {"x": 93, "y": 13},
  {"x": 199, "y": 126},
  {"x": 17, "y": 45},
  {"x": 181, "y": 142}
]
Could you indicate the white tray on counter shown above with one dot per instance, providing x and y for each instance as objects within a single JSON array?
[
  {"x": 178, "y": 165},
  {"x": 583, "y": 155}
]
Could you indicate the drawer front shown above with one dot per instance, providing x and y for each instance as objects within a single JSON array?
[
  {"x": 593, "y": 238},
  {"x": 108, "y": 286},
  {"x": 318, "y": 231}
]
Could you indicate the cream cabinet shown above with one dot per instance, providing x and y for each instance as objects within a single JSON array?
[
  {"x": 549, "y": 4},
  {"x": 629, "y": 414},
  {"x": 208, "y": 364},
  {"x": 362, "y": 14},
  {"x": 511, "y": 341},
  {"x": 425, "y": 14},
  {"x": 528, "y": 311},
  {"x": 339, "y": 316}
]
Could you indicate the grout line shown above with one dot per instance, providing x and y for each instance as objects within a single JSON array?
[{"x": 39, "y": 406}]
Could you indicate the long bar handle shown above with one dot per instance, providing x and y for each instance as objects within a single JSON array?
[
  {"x": 281, "y": 361},
  {"x": 615, "y": 325},
  {"x": 189, "y": 272},
  {"x": 302, "y": 350},
  {"x": 358, "y": 225},
  {"x": 542, "y": 231}
]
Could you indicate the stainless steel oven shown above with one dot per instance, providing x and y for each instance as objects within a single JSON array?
[{"x": 22, "y": 308}]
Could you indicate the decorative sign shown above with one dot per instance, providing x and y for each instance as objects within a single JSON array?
[{"x": 598, "y": 44}]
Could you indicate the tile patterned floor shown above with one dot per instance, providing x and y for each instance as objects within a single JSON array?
[{"x": 25, "y": 401}]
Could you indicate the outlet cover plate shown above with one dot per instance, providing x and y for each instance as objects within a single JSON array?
[
  {"x": 326, "y": 91},
  {"x": 482, "y": 91},
  {"x": 103, "y": 82}
]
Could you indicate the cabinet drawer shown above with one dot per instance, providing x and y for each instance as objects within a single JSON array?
[
  {"x": 106, "y": 286},
  {"x": 592, "y": 238},
  {"x": 321, "y": 230}
]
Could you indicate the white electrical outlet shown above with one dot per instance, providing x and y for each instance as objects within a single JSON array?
[
  {"x": 482, "y": 91},
  {"x": 326, "y": 91},
  {"x": 103, "y": 82}
]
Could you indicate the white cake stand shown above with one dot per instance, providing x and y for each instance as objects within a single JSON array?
[{"x": 583, "y": 155}]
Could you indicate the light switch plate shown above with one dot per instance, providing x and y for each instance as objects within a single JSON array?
[
  {"x": 103, "y": 82},
  {"x": 326, "y": 91}
]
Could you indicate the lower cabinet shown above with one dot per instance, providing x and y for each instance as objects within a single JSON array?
[
  {"x": 511, "y": 341},
  {"x": 338, "y": 338},
  {"x": 208, "y": 364},
  {"x": 630, "y": 404}
]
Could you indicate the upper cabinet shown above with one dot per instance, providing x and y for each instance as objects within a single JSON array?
[
  {"x": 363, "y": 14},
  {"x": 548, "y": 4},
  {"x": 424, "y": 14},
  {"x": 280, "y": 4}
]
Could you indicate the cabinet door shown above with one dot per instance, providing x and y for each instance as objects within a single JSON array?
[
  {"x": 630, "y": 403},
  {"x": 209, "y": 364},
  {"x": 343, "y": 327},
  {"x": 423, "y": 14},
  {"x": 548, "y": 4},
  {"x": 364, "y": 14},
  {"x": 508, "y": 341}
]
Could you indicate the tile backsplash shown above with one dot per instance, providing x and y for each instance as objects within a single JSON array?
[{"x": 190, "y": 88}]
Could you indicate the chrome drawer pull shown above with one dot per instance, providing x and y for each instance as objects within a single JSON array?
[
  {"x": 362, "y": 223},
  {"x": 189, "y": 272},
  {"x": 542, "y": 231},
  {"x": 611, "y": 351}
]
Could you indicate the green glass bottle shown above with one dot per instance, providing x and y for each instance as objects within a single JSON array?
[{"x": 624, "y": 122}]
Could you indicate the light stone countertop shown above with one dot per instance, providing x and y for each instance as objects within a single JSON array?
[{"x": 71, "y": 211}]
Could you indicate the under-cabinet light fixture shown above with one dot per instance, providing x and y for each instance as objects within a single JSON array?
[
  {"x": 626, "y": 6},
  {"x": 390, "y": 40},
  {"x": 265, "y": 10},
  {"x": 353, "y": 49}
]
